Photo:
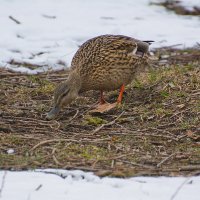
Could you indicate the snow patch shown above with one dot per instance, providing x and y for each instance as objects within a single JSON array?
[
  {"x": 78, "y": 185},
  {"x": 50, "y": 32},
  {"x": 190, "y": 4}
]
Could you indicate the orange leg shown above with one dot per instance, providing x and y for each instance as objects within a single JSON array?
[
  {"x": 104, "y": 106},
  {"x": 119, "y": 99},
  {"x": 102, "y": 100}
]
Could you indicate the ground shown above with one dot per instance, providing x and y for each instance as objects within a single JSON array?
[
  {"x": 181, "y": 7},
  {"x": 156, "y": 131}
]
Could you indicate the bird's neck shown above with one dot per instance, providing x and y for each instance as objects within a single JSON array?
[{"x": 74, "y": 80}]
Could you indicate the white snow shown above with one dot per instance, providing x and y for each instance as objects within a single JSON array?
[
  {"x": 51, "y": 31},
  {"x": 10, "y": 151},
  {"x": 49, "y": 34},
  {"x": 78, "y": 185},
  {"x": 190, "y": 4}
]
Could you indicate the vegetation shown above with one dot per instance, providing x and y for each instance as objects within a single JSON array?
[
  {"x": 155, "y": 132},
  {"x": 178, "y": 8}
]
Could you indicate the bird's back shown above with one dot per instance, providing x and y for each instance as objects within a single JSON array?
[
  {"x": 98, "y": 48},
  {"x": 108, "y": 60}
]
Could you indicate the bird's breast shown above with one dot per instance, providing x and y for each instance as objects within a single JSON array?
[{"x": 107, "y": 78}]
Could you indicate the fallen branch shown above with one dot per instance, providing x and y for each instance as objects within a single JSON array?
[
  {"x": 108, "y": 124},
  {"x": 166, "y": 159},
  {"x": 53, "y": 140},
  {"x": 49, "y": 16},
  {"x": 112, "y": 158},
  {"x": 74, "y": 116},
  {"x": 3, "y": 183},
  {"x": 66, "y": 140},
  {"x": 183, "y": 183},
  {"x": 25, "y": 64},
  {"x": 190, "y": 168},
  {"x": 15, "y": 20},
  {"x": 179, "y": 188},
  {"x": 55, "y": 159},
  {"x": 137, "y": 164}
]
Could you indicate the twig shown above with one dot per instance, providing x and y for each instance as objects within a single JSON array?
[
  {"x": 53, "y": 140},
  {"x": 165, "y": 159},
  {"x": 112, "y": 163},
  {"x": 194, "y": 94},
  {"x": 189, "y": 168},
  {"x": 66, "y": 140},
  {"x": 161, "y": 130},
  {"x": 175, "y": 114},
  {"x": 15, "y": 20},
  {"x": 108, "y": 124},
  {"x": 55, "y": 159},
  {"x": 182, "y": 184},
  {"x": 74, "y": 116},
  {"x": 38, "y": 187},
  {"x": 137, "y": 164},
  {"x": 27, "y": 64},
  {"x": 112, "y": 159},
  {"x": 49, "y": 16},
  {"x": 3, "y": 183},
  {"x": 35, "y": 190},
  {"x": 179, "y": 188}
]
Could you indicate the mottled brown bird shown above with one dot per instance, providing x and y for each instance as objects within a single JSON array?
[{"x": 104, "y": 63}]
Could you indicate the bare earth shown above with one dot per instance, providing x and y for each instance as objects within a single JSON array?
[{"x": 155, "y": 132}]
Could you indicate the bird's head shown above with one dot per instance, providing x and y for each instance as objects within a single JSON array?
[{"x": 64, "y": 94}]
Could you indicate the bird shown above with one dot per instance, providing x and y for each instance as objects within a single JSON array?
[{"x": 104, "y": 63}]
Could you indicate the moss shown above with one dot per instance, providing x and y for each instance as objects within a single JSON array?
[
  {"x": 162, "y": 112},
  {"x": 94, "y": 120},
  {"x": 181, "y": 94},
  {"x": 36, "y": 79},
  {"x": 88, "y": 152},
  {"x": 93, "y": 152},
  {"x": 153, "y": 76},
  {"x": 164, "y": 94},
  {"x": 185, "y": 125},
  {"x": 43, "y": 86},
  {"x": 42, "y": 108},
  {"x": 44, "y": 89},
  {"x": 157, "y": 115},
  {"x": 137, "y": 84}
]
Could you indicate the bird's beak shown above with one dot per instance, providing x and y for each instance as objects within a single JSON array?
[{"x": 53, "y": 113}]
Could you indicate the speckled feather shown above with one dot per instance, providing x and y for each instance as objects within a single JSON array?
[
  {"x": 103, "y": 63},
  {"x": 108, "y": 61}
]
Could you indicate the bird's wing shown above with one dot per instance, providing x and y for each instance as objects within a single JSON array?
[
  {"x": 122, "y": 44},
  {"x": 106, "y": 49}
]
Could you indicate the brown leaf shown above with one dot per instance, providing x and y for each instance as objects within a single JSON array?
[
  {"x": 192, "y": 135},
  {"x": 181, "y": 105}
]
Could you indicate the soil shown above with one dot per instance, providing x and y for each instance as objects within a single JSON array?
[
  {"x": 176, "y": 7},
  {"x": 156, "y": 131}
]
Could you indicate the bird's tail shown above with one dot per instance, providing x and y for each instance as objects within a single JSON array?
[{"x": 149, "y": 41}]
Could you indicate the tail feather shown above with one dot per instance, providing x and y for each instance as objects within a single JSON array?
[{"x": 148, "y": 41}]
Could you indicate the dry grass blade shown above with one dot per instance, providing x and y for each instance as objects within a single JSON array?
[
  {"x": 3, "y": 183},
  {"x": 160, "y": 116},
  {"x": 107, "y": 124},
  {"x": 179, "y": 188},
  {"x": 165, "y": 159}
]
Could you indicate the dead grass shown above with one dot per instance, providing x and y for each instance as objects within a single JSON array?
[
  {"x": 158, "y": 132},
  {"x": 176, "y": 7}
]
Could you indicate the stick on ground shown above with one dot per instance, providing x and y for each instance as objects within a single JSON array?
[
  {"x": 108, "y": 124},
  {"x": 15, "y": 20}
]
